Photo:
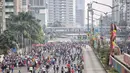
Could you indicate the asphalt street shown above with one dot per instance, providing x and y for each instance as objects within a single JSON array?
[{"x": 91, "y": 63}]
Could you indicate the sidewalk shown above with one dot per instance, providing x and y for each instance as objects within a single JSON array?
[{"x": 91, "y": 63}]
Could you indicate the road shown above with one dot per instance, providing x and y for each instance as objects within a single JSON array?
[
  {"x": 24, "y": 69},
  {"x": 92, "y": 65}
]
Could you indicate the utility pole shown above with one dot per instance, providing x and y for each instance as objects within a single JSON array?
[
  {"x": 90, "y": 10},
  {"x": 88, "y": 16},
  {"x": 101, "y": 24},
  {"x": 92, "y": 22},
  {"x": 112, "y": 7}
]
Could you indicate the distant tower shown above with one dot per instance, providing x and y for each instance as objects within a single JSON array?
[
  {"x": 80, "y": 9},
  {"x": 63, "y": 11}
]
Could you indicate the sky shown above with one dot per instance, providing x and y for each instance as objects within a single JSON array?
[{"x": 99, "y": 7}]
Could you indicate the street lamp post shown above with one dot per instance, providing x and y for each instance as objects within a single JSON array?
[
  {"x": 112, "y": 7},
  {"x": 88, "y": 10},
  {"x": 92, "y": 22}
]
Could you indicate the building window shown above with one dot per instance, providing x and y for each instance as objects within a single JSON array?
[
  {"x": 31, "y": 2},
  {"x": 41, "y": 2},
  {"x": 9, "y": 6},
  {"x": 8, "y": 0},
  {"x": 23, "y": 2}
]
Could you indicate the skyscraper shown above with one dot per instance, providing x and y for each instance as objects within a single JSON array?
[
  {"x": 80, "y": 9},
  {"x": 63, "y": 11},
  {"x": 39, "y": 9},
  {"x": 12, "y": 6},
  {"x": 2, "y": 16},
  {"x": 128, "y": 12},
  {"x": 37, "y": 5},
  {"x": 122, "y": 12},
  {"x": 25, "y": 5}
]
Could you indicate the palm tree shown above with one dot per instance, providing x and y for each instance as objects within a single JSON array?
[{"x": 26, "y": 26}]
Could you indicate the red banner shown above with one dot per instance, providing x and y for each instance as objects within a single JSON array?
[{"x": 36, "y": 45}]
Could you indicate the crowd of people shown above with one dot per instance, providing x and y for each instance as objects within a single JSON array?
[{"x": 63, "y": 57}]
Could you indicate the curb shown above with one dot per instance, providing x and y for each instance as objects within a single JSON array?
[{"x": 99, "y": 60}]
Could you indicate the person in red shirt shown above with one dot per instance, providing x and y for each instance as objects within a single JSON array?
[
  {"x": 68, "y": 65},
  {"x": 72, "y": 70}
]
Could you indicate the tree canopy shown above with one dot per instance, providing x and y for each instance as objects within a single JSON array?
[{"x": 22, "y": 24}]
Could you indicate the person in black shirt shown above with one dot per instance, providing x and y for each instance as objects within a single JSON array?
[
  {"x": 54, "y": 67},
  {"x": 57, "y": 68},
  {"x": 62, "y": 70}
]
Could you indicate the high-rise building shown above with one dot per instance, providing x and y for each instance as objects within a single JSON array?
[
  {"x": 63, "y": 11},
  {"x": 12, "y": 6},
  {"x": 2, "y": 16},
  {"x": 122, "y": 13},
  {"x": 128, "y": 12},
  {"x": 25, "y": 5},
  {"x": 80, "y": 9},
  {"x": 39, "y": 9},
  {"x": 37, "y": 5}
]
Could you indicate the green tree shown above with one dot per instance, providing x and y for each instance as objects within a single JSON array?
[
  {"x": 18, "y": 26},
  {"x": 23, "y": 25},
  {"x": 27, "y": 25},
  {"x": 8, "y": 41}
]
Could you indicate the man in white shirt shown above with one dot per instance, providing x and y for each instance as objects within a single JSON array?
[{"x": 66, "y": 70}]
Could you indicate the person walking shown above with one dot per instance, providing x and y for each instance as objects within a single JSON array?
[
  {"x": 66, "y": 70},
  {"x": 62, "y": 70},
  {"x": 54, "y": 68},
  {"x": 57, "y": 68},
  {"x": 43, "y": 70},
  {"x": 47, "y": 67},
  {"x": 59, "y": 61},
  {"x": 31, "y": 69},
  {"x": 12, "y": 68},
  {"x": 72, "y": 70},
  {"x": 7, "y": 69},
  {"x": 19, "y": 71}
]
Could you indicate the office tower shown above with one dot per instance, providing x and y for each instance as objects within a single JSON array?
[
  {"x": 62, "y": 11},
  {"x": 80, "y": 9},
  {"x": 39, "y": 9},
  {"x": 128, "y": 12},
  {"x": 12, "y": 6},
  {"x": 121, "y": 12},
  {"x": 25, "y": 5},
  {"x": 2, "y": 16}
]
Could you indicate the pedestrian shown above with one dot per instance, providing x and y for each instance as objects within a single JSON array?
[
  {"x": 62, "y": 70},
  {"x": 59, "y": 61},
  {"x": 7, "y": 69},
  {"x": 3, "y": 68},
  {"x": 66, "y": 70},
  {"x": 12, "y": 68},
  {"x": 43, "y": 70},
  {"x": 54, "y": 68},
  {"x": 72, "y": 70},
  {"x": 31, "y": 69},
  {"x": 47, "y": 67},
  {"x": 19, "y": 71},
  {"x": 57, "y": 68}
]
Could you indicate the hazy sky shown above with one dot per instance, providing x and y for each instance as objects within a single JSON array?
[{"x": 99, "y": 7}]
